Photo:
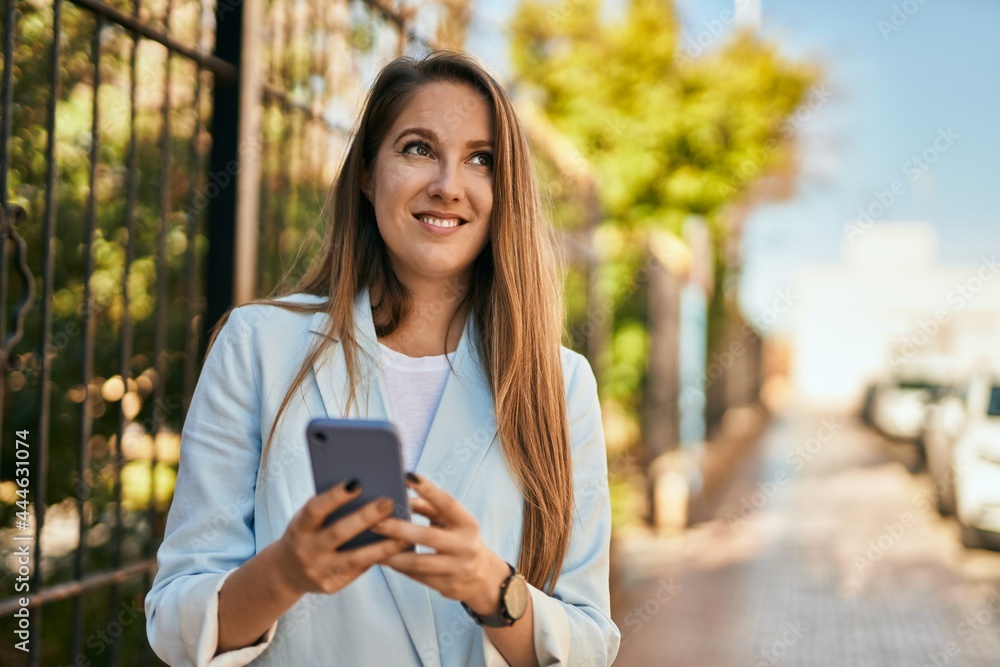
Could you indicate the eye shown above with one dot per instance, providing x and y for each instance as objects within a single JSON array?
[
  {"x": 484, "y": 159},
  {"x": 417, "y": 148}
]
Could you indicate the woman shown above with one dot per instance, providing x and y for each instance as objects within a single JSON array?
[{"x": 433, "y": 302}]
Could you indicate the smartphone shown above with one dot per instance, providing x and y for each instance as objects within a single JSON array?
[{"x": 369, "y": 451}]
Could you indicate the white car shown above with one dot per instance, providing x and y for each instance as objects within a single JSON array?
[
  {"x": 899, "y": 401},
  {"x": 898, "y": 410},
  {"x": 976, "y": 456},
  {"x": 943, "y": 424}
]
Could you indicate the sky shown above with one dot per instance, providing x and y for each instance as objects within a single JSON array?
[{"x": 911, "y": 101}]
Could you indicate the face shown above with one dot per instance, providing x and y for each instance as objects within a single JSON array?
[{"x": 432, "y": 183}]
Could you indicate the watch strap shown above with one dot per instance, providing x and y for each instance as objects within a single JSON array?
[{"x": 502, "y": 619}]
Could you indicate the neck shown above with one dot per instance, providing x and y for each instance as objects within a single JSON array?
[{"x": 436, "y": 317}]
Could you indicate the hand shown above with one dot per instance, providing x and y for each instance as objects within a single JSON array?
[
  {"x": 310, "y": 548},
  {"x": 462, "y": 567}
]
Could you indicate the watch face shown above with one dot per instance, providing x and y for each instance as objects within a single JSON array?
[{"x": 516, "y": 597}]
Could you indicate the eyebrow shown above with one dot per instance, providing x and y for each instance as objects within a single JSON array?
[{"x": 431, "y": 136}]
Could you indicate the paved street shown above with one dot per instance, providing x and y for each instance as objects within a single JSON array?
[{"x": 826, "y": 552}]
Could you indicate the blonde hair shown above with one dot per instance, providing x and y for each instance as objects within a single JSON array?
[{"x": 515, "y": 297}]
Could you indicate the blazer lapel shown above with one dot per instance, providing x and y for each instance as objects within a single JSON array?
[
  {"x": 461, "y": 433},
  {"x": 330, "y": 370},
  {"x": 464, "y": 426}
]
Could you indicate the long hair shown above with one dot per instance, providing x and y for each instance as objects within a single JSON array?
[{"x": 515, "y": 297}]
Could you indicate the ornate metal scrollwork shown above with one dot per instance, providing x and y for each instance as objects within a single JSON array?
[{"x": 8, "y": 216}]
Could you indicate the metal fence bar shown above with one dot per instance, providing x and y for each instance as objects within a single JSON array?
[
  {"x": 6, "y": 129},
  {"x": 247, "y": 177},
  {"x": 193, "y": 220},
  {"x": 9, "y": 44},
  {"x": 76, "y": 588},
  {"x": 264, "y": 194},
  {"x": 221, "y": 262},
  {"x": 87, "y": 374},
  {"x": 40, "y": 468},
  {"x": 270, "y": 162},
  {"x": 131, "y": 205},
  {"x": 226, "y": 71},
  {"x": 160, "y": 336},
  {"x": 280, "y": 203}
]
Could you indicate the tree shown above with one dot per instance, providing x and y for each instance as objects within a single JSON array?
[{"x": 670, "y": 135}]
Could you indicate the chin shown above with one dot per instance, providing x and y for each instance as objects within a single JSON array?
[{"x": 441, "y": 272}]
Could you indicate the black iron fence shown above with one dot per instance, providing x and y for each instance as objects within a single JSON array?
[{"x": 158, "y": 162}]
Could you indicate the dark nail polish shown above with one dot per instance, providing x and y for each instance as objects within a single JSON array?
[
  {"x": 412, "y": 479},
  {"x": 352, "y": 486}
]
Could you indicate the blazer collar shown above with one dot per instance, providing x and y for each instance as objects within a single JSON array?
[
  {"x": 331, "y": 374},
  {"x": 461, "y": 434},
  {"x": 330, "y": 368}
]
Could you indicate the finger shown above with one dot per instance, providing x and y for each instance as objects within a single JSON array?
[
  {"x": 348, "y": 565},
  {"x": 449, "y": 510},
  {"x": 362, "y": 558},
  {"x": 422, "y": 565},
  {"x": 317, "y": 508},
  {"x": 439, "y": 582},
  {"x": 436, "y": 538},
  {"x": 424, "y": 508},
  {"x": 347, "y": 528}
]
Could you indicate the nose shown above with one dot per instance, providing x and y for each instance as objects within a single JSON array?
[{"x": 447, "y": 182}]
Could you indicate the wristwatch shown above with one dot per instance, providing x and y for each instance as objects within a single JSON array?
[{"x": 514, "y": 596}]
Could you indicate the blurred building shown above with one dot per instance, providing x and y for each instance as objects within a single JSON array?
[{"x": 887, "y": 303}]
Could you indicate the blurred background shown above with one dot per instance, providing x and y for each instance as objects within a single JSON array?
[{"x": 779, "y": 232}]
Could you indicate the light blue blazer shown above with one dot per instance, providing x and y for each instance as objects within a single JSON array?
[{"x": 228, "y": 506}]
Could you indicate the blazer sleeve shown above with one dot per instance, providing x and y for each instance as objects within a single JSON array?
[
  {"x": 573, "y": 627},
  {"x": 210, "y": 527}
]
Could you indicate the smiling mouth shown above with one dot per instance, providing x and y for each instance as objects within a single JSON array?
[{"x": 440, "y": 222}]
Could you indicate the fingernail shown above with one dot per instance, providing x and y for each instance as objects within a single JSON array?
[
  {"x": 412, "y": 479},
  {"x": 352, "y": 486},
  {"x": 385, "y": 504}
]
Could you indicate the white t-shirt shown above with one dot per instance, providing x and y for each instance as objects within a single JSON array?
[{"x": 414, "y": 386}]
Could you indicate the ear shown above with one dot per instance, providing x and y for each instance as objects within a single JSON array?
[{"x": 366, "y": 184}]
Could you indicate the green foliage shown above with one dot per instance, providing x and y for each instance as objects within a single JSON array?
[
  {"x": 173, "y": 196},
  {"x": 290, "y": 208},
  {"x": 668, "y": 136}
]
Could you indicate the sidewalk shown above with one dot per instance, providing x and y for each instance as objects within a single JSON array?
[{"x": 820, "y": 554}]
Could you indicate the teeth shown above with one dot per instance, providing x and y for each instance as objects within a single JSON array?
[{"x": 438, "y": 222}]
